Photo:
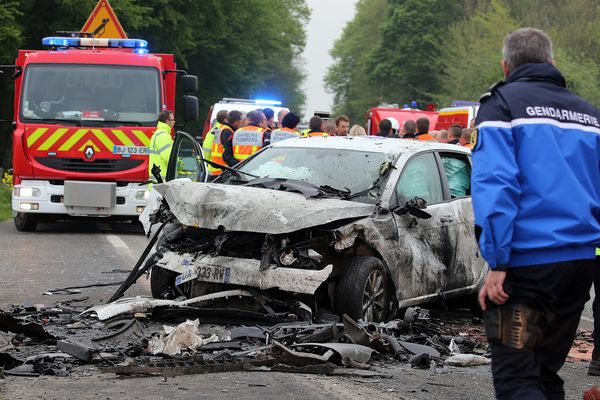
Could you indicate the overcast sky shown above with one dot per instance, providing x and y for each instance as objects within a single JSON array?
[{"x": 328, "y": 19}]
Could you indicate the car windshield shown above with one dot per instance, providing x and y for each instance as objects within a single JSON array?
[
  {"x": 81, "y": 93},
  {"x": 345, "y": 170}
]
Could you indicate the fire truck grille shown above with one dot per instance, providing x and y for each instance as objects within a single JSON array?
[{"x": 98, "y": 165}]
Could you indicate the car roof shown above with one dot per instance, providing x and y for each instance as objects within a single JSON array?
[{"x": 375, "y": 144}]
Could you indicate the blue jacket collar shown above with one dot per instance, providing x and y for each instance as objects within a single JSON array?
[{"x": 537, "y": 72}]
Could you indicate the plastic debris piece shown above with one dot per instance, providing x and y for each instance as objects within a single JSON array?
[
  {"x": 185, "y": 336},
  {"x": 467, "y": 360},
  {"x": 77, "y": 350},
  {"x": 421, "y": 361}
]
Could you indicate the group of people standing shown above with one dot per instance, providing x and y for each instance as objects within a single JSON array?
[
  {"x": 419, "y": 130},
  {"x": 235, "y": 136}
]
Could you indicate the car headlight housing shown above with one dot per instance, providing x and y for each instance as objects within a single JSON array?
[{"x": 26, "y": 192}]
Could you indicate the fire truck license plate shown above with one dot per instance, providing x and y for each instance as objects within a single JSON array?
[{"x": 131, "y": 150}]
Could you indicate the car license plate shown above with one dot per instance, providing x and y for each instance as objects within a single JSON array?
[
  {"x": 130, "y": 150},
  {"x": 214, "y": 273}
]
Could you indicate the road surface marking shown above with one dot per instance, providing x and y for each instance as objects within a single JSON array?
[
  {"x": 116, "y": 242},
  {"x": 587, "y": 319}
]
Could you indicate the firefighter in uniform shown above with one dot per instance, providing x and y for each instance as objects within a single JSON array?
[
  {"x": 537, "y": 218},
  {"x": 207, "y": 144},
  {"x": 223, "y": 145},
  {"x": 288, "y": 128},
  {"x": 249, "y": 139},
  {"x": 423, "y": 130},
  {"x": 161, "y": 143}
]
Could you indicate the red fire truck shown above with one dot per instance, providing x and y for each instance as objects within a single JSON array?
[
  {"x": 84, "y": 113},
  {"x": 376, "y": 114}
]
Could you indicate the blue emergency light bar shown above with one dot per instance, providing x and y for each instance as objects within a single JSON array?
[
  {"x": 140, "y": 46},
  {"x": 267, "y": 102}
]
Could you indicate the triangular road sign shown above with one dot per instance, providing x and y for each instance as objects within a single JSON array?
[{"x": 103, "y": 22}]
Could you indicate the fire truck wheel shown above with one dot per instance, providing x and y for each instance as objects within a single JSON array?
[
  {"x": 162, "y": 283},
  {"x": 25, "y": 222}
]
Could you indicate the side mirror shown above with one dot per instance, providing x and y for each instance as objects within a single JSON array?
[
  {"x": 190, "y": 83},
  {"x": 414, "y": 207},
  {"x": 190, "y": 108}
]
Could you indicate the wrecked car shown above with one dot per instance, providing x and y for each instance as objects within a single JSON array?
[{"x": 357, "y": 225}]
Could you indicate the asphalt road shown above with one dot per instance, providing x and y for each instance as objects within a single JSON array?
[
  {"x": 67, "y": 254},
  {"x": 84, "y": 253}
]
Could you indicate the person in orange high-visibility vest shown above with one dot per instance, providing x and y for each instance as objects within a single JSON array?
[
  {"x": 423, "y": 130},
  {"x": 288, "y": 128},
  {"x": 225, "y": 157},
  {"x": 315, "y": 126},
  {"x": 249, "y": 139}
]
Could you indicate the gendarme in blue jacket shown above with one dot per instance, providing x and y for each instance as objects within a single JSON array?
[{"x": 536, "y": 171}]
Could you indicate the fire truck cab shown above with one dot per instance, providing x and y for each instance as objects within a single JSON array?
[{"x": 85, "y": 111}]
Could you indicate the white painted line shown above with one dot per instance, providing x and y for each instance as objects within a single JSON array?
[
  {"x": 116, "y": 242},
  {"x": 587, "y": 319}
]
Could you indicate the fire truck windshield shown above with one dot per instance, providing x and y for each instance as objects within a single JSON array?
[{"x": 107, "y": 94}]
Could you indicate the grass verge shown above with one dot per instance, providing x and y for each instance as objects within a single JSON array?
[{"x": 5, "y": 210}]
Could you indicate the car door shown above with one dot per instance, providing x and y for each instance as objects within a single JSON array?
[
  {"x": 428, "y": 243},
  {"x": 468, "y": 263},
  {"x": 186, "y": 160}
]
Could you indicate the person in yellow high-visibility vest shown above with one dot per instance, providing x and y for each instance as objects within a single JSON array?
[
  {"x": 207, "y": 144},
  {"x": 161, "y": 143}
]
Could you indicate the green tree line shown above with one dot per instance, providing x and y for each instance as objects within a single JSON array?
[
  {"x": 395, "y": 51},
  {"x": 237, "y": 48}
]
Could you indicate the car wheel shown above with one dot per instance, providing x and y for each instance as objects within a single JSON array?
[
  {"x": 25, "y": 222},
  {"x": 162, "y": 283},
  {"x": 363, "y": 291}
]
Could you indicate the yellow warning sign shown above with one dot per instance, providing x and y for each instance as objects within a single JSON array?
[{"x": 103, "y": 22}]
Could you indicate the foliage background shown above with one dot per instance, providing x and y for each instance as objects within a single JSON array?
[
  {"x": 237, "y": 48},
  {"x": 395, "y": 51}
]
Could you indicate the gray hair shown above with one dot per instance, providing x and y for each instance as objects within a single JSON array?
[{"x": 527, "y": 46}]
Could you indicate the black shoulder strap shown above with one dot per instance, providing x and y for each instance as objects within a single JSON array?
[{"x": 490, "y": 91}]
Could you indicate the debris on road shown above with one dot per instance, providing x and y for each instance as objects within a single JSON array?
[
  {"x": 76, "y": 289},
  {"x": 467, "y": 360},
  {"x": 235, "y": 330},
  {"x": 184, "y": 337}
]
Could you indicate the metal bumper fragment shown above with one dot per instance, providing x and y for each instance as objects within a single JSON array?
[{"x": 243, "y": 272}]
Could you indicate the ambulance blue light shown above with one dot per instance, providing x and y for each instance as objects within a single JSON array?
[
  {"x": 267, "y": 102},
  {"x": 141, "y": 51}
]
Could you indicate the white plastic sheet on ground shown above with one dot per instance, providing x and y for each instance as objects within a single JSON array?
[{"x": 184, "y": 337}]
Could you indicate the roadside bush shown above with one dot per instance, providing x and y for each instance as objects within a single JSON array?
[{"x": 5, "y": 195}]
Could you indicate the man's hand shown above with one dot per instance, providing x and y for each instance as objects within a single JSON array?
[{"x": 493, "y": 289}]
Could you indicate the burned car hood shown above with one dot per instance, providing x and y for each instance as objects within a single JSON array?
[{"x": 250, "y": 209}]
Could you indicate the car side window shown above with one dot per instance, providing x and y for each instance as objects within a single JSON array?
[
  {"x": 458, "y": 172},
  {"x": 188, "y": 163},
  {"x": 420, "y": 178}
]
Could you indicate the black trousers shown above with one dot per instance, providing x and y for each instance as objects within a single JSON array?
[
  {"x": 596, "y": 305},
  {"x": 558, "y": 291}
]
